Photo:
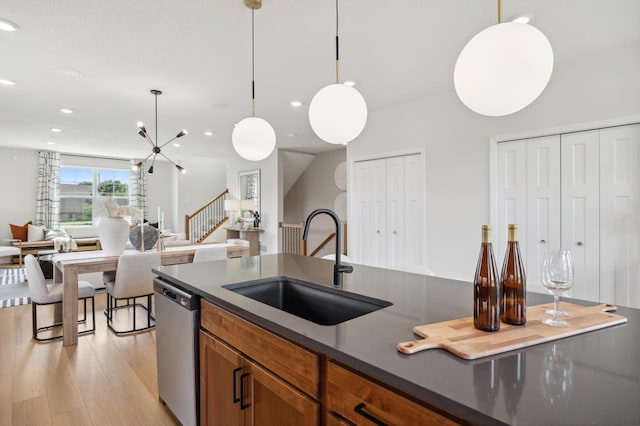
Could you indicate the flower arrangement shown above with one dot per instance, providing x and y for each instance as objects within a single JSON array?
[{"x": 110, "y": 208}]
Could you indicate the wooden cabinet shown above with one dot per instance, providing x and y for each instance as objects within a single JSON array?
[
  {"x": 250, "y": 376},
  {"x": 363, "y": 402}
]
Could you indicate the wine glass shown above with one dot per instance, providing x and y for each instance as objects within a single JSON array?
[{"x": 557, "y": 277}]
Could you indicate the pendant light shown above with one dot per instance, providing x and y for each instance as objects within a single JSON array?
[
  {"x": 503, "y": 68},
  {"x": 253, "y": 137},
  {"x": 156, "y": 149},
  {"x": 337, "y": 113}
]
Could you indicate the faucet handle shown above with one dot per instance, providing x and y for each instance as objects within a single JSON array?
[{"x": 346, "y": 268}]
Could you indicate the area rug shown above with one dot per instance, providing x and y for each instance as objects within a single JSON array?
[{"x": 13, "y": 288}]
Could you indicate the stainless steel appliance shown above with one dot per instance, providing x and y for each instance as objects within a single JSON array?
[{"x": 177, "y": 322}]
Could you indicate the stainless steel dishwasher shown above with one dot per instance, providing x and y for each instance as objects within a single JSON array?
[{"x": 177, "y": 323}]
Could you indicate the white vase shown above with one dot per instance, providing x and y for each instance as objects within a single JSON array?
[{"x": 114, "y": 234}]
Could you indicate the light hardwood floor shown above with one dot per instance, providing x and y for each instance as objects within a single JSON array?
[{"x": 104, "y": 380}]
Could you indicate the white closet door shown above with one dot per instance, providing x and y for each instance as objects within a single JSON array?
[
  {"x": 512, "y": 184},
  {"x": 580, "y": 210},
  {"x": 620, "y": 215},
  {"x": 414, "y": 217},
  {"x": 368, "y": 216},
  {"x": 542, "y": 228},
  {"x": 395, "y": 211}
]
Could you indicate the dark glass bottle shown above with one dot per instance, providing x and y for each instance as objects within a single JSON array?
[
  {"x": 486, "y": 306},
  {"x": 513, "y": 283}
]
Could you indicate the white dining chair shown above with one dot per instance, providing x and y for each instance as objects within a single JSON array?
[
  {"x": 133, "y": 280},
  {"x": 45, "y": 292},
  {"x": 210, "y": 253}
]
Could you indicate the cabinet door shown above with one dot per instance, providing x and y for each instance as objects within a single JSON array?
[
  {"x": 542, "y": 228},
  {"x": 512, "y": 190},
  {"x": 272, "y": 402},
  {"x": 220, "y": 371},
  {"x": 580, "y": 179},
  {"x": 620, "y": 215}
]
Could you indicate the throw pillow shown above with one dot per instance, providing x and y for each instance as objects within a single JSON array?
[
  {"x": 35, "y": 233},
  {"x": 19, "y": 232}
]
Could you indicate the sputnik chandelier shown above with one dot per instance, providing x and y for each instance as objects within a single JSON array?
[{"x": 156, "y": 149}]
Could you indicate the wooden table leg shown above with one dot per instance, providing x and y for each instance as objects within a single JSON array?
[{"x": 70, "y": 305}]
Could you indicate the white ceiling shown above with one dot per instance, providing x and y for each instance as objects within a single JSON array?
[{"x": 101, "y": 58}]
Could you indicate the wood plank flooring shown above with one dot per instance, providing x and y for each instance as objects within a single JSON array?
[{"x": 104, "y": 380}]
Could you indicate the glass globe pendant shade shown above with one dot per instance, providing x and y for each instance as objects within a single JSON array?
[
  {"x": 253, "y": 138},
  {"x": 503, "y": 68},
  {"x": 338, "y": 113}
]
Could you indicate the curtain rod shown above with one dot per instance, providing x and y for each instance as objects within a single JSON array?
[{"x": 95, "y": 156}]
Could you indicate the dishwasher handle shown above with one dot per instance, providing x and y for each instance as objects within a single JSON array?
[{"x": 177, "y": 295}]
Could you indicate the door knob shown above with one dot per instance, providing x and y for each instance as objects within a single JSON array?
[
  {"x": 543, "y": 241},
  {"x": 395, "y": 232},
  {"x": 579, "y": 243},
  {"x": 377, "y": 231}
]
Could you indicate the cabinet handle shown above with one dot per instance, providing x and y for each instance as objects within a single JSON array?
[
  {"x": 242, "y": 404},
  {"x": 360, "y": 410},
  {"x": 235, "y": 385},
  {"x": 395, "y": 232},
  {"x": 543, "y": 241},
  {"x": 579, "y": 243}
]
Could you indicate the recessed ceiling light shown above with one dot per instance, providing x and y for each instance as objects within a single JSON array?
[
  {"x": 66, "y": 111},
  {"x": 521, "y": 20},
  {"x": 296, "y": 104},
  {"x": 291, "y": 135},
  {"x": 6, "y": 82},
  {"x": 55, "y": 130},
  {"x": 208, "y": 133},
  {"x": 6, "y": 25},
  {"x": 349, "y": 83},
  {"x": 51, "y": 143},
  {"x": 176, "y": 144}
]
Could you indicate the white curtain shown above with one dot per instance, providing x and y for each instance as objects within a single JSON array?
[
  {"x": 48, "y": 197},
  {"x": 138, "y": 188}
]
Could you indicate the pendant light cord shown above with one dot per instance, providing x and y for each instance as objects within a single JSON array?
[
  {"x": 499, "y": 11},
  {"x": 253, "y": 59},
  {"x": 156, "y": 95},
  {"x": 337, "y": 48}
]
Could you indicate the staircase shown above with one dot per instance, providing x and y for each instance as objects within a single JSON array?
[{"x": 206, "y": 220}]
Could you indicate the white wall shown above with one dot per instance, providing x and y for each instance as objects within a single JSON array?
[
  {"x": 456, "y": 141},
  {"x": 270, "y": 195},
  {"x": 315, "y": 189},
  {"x": 205, "y": 179},
  {"x": 18, "y": 174}
]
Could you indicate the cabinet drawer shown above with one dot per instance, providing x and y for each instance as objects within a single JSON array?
[
  {"x": 363, "y": 402},
  {"x": 293, "y": 363}
]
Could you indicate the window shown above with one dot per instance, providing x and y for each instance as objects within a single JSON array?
[{"x": 80, "y": 185}]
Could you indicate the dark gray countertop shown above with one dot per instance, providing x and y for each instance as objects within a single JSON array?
[{"x": 592, "y": 378}]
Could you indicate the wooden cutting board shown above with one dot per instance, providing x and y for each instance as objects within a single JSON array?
[{"x": 461, "y": 338}]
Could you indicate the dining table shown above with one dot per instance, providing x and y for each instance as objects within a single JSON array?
[{"x": 68, "y": 266}]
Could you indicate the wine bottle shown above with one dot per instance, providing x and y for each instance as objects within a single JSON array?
[
  {"x": 513, "y": 283},
  {"x": 486, "y": 306}
]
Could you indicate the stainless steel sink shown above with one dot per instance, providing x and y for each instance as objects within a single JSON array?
[{"x": 316, "y": 303}]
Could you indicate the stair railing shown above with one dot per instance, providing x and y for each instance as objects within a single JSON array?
[
  {"x": 292, "y": 239},
  {"x": 207, "y": 219}
]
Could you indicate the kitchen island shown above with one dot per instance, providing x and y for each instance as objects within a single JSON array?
[{"x": 592, "y": 378}]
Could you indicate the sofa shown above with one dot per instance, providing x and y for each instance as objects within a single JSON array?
[{"x": 85, "y": 238}]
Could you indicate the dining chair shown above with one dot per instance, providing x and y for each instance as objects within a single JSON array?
[
  {"x": 210, "y": 253},
  {"x": 44, "y": 292},
  {"x": 133, "y": 280}
]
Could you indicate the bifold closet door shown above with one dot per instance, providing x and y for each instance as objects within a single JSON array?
[
  {"x": 369, "y": 216},
  {"x": 512, "y": 195},
  {"x": 542, "y": 229},
  {"x": 620, "y": 215},
  {"x": 580, "y": 206}
]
